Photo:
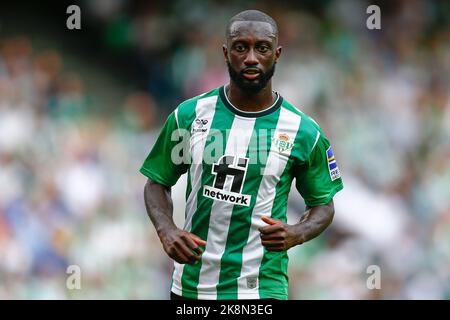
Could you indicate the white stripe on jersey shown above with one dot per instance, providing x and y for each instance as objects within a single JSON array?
[
  {"x": 237, "y": 145},
  {"x": 317, "y": 139},
  {"x": 176, "y": 117},
  {"x": 288, "y": 123},
  {"x": 204, "y": 109}
]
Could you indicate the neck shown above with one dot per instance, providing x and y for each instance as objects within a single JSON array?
[{"x": 249, "y": 101}]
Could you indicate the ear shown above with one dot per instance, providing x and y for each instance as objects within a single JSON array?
[
  {"x": 278, "y": 53},
  {"x": 225, "y": 52}
]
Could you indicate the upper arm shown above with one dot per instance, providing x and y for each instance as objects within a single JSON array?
[
  {"x": 152, "y": 184},
  {"x": 329, "y": 206},
  {"x": 318, "y": 178},
  {"x": 166, "y": 162}
]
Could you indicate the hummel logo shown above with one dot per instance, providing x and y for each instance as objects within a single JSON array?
[
  {"x": 201, "y": 122},
  {"x": 198, "y": 125}
]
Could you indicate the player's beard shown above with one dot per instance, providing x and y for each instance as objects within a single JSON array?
[{"x": 254, "y": 86}]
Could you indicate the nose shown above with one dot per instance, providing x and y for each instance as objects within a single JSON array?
[{"x": 251, "y": 59}]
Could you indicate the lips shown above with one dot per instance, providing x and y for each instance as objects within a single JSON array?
[{"x": 251, "y": 74}]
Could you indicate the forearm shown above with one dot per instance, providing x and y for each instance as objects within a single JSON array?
[
  {"x": 180, "y": 245},
  {"x": 314, "y": 221},
  {"x": 159, "y": 205}
]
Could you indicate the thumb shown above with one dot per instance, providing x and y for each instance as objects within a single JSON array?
[
  {"x": 197, "y": 240},
  {"x": 269, "y": 220}
]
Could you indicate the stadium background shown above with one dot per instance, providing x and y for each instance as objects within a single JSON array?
[{"x": 79, "y": 111}]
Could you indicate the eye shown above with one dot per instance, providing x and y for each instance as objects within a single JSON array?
[
  {"x": 263, "y": 49},
  {"x": 239, "y": 47}
]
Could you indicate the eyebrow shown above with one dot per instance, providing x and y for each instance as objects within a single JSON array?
[
  {"x": 257, "y": 42},
  {"x": 268, "y": 42},
  {"x": 269, "y": 34}
]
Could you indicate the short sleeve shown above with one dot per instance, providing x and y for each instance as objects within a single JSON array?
[
  {"x": 164, "y": 163},
  {"x": 319, "y": 179}
]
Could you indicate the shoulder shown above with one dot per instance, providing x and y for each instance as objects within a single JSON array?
[
  {"x": 308, "y": 135},
  {"x": 308, "y": 128},
  {"x": 185, "y": 111}
]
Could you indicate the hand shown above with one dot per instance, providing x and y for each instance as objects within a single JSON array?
[
  {"x": 278, "y": 236},
  {"x": 182, "y": 246}
]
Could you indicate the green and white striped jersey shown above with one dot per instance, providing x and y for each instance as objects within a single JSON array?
[{"x": 240, "y": 167}]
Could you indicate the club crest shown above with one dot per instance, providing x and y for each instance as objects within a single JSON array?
[{"x": 282, "y": 142}]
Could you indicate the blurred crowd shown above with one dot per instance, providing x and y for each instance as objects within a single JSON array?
[{"x": 71, "y": 194}]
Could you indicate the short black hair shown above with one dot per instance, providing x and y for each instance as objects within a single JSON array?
[{"x": 252, "y": 15}]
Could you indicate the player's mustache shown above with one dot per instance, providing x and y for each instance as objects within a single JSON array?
[{"x": 251, "y": 69}]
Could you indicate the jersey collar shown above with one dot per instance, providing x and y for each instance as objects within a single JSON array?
[{"x": 248, "y": 114}]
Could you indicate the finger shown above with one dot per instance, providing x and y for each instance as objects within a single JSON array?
[
  {"x": 270, "y": 229},
  {"x": 270, "y": 220},
  {"x": 272, "y": 236},
  {"x": 197, "y": 250},
  {"x": 275, "y": 249},
  {"x": 271, "y": 244},
  {"x": 179, "y": 256},
  {"x": 187, "y": 252},
  {"x": 197, "y": 239},
  {"x": 192, "y": 245}
]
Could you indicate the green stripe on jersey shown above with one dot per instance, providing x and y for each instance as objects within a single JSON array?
[{"x": 200, "y": 219}]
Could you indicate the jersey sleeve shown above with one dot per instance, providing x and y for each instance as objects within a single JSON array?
[
  {"x": 319, "y": 179},
  {"x": 162, "y": 165}
]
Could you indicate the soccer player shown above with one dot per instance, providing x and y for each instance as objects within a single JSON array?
[{"x": 241, "y": 145}]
